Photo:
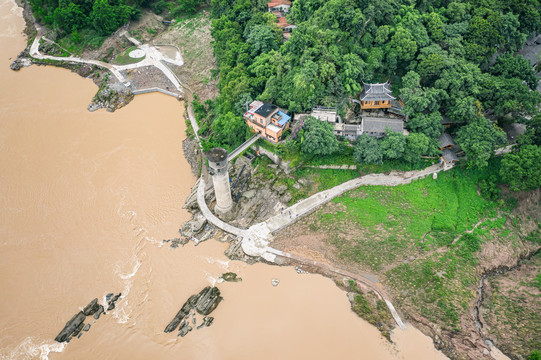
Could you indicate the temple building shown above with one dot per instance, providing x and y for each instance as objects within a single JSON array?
[{"x": 379, "y": 96}]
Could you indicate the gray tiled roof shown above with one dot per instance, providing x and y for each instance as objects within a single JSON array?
[
  {"x": 446, "y": 140},
  {"x": 449, "y": 155},
  {"x": 380, "y": 124},
  {"x": 376, "y": 92}
]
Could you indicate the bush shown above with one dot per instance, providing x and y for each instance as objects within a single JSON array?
[{"x": 489, "y": 189}]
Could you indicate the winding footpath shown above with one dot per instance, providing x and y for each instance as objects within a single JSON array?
[
  {"x": 256, "y": 239},
  {"x": 153, "y": 57}
]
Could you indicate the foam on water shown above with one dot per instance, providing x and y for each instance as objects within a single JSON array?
[{"x": 31, "y": 348}]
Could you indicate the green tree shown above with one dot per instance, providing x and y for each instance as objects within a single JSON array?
[
  {"x": 319, "y": 138},
  {"x": 416, "y": 145},
  {"x": 403, "y": 44},
  {"x": 393, "y": 145},
  {"x": 262, "y": 39},
  {"x": 522, "y": 170},
  {"x": 68, "y": 16},
  {"x": 479, "y": 139},
  {"x": 229, "y": 130},
  {"x": 107, "y": 18},
  {"x": 434, "y": 25},
  {"x": 367, "y": 150},
  {"x": 427, "y": 124},
  {"x": 185, "y": 7},
  {"x": 510, "y": 66}
]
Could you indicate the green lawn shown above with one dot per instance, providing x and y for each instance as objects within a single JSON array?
[{"x": 125, "y": 59}]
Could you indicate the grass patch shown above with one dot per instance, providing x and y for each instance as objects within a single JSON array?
[{"x": 125, "y": 59}]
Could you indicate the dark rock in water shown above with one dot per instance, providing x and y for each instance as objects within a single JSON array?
[
  {"x": 78, "y": 329},
  {"x": 204, "y": 303},
  {"x": 112, "y": 301},
  {"x": 231, "y": 276},
  {"x": 99, "y": 312},
  {"x": 209, "y": 298},
  {"x": 207, "y": 320},
  {"x": 87, "y": 327},
  {"x": 109, "y": 296},
  {"x": 91, "y": 308},
  {"x": 15, "y": 66},
  {"x": 79, "y": 336},
  {"x": 178, "y": 241},
  {"x": 184, "y": 329},
  {"x": 183, "y": 312},
  {"x": 111, "y": 97},
  {"x": 71, "y": 327}
]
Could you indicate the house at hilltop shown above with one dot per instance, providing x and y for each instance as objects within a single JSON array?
[
  {"x": 267, "y": 119},
  {"x": 279, "y": 8}
]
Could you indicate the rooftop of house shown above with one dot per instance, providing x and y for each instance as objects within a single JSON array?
[
  {"x": 376, "y": 92},
  {"x": 446, "y": 140},
  {"x": 278, "y": 2},
  {"x": 324, "y": 114},
  {"x": 282, "y": 22},
  {"x": 254, "y": 105},
  {"x": 282, "y": 117},
  {"x": 449, "y": 155},
  {"x": 266, "y": 109},
  {"x": 380, "y": 124},
  {"x": 275, "y": 129},
  {"x": 287, "y": 35}
]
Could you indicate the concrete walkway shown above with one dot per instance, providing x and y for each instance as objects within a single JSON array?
[
  {"x": 300, "y": 209},
  {"x": 243, "y": 147},
  {"x": 153, "y": 57},
  {"x": 210, "y": 216}
]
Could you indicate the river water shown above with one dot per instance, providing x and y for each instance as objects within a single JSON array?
[{"x": 85, "y": 200}]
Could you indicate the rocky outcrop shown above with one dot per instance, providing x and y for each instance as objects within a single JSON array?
[
  {"x": 204, "y": 303},
  {"x": 71, "y": 327},
  {"x": 230, "y": 277},
  {"x": 111, "y": 97},
  {"x": 91, "y": 308},
  {"x": 76, "y": 324}
]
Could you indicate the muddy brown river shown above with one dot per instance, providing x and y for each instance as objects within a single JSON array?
[{"x": 85, "y": 201}]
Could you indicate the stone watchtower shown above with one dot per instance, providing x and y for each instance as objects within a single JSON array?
[{"x": 217, "y": 158}]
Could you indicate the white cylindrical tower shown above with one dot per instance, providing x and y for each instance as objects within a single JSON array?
[{"x": 217, "y": 158}]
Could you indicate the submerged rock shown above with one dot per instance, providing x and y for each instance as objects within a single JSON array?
[
  {"x": 87, "y": 327},
  {"x": 15, "y": 66},
  {"x": 91, "y": 308},
  {"x": 100, "y": 311},
  {"x": 207, "y": 320},
  {"x": 208, "y": 300},
  {"x": 71, "y": 327},
  {"x": 184, "y": 329},
  {"x": 231, "y": 277},
  {"x": 204, "y": 303}
]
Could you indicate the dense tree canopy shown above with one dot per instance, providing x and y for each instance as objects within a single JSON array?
[
  {"x": 367, "y": 150},
  {"x": 522, "y": 170},
  {"x": 319, "y": 138},
  {"x": 479, "y": 139}
]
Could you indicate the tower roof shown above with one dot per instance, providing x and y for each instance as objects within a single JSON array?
[
  {"x": 217, "y": 154},
  {"x": 376, "y": 92}
]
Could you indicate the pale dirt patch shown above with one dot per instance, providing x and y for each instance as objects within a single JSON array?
[{"x": 193, "y": 38}]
